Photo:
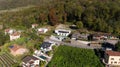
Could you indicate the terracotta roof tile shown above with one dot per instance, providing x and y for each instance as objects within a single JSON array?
[
  {"x": 7, "y": 30},
  {"x": 112, "y": 53},
  {"x": 15, "y": 34}
]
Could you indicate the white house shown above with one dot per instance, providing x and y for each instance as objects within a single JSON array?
[
  {"x": 9, "y": 31},
  {"x": 14, "y": 36},
  {"x": 42, "y": 30},
  {"x": 112, "y": 58},
  {"x": 34, "y": 25},
  {"x": 62, "y": 32},
  {"x": 47, "y": 46},
  {"x": 30, "y": 61}
]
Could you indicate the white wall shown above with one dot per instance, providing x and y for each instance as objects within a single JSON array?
[
  {"x": 115, "y": 59},
  {"x": 14, "y": 37}
]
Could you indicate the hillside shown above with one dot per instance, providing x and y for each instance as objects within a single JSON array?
[
  {"x": 96, "y": 15},
  {"x": 8, "y": 4}
]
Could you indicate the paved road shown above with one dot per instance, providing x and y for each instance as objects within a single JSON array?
[{"x": 73, "y": 44}]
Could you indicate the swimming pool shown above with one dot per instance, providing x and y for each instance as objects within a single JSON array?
[{"x": 43, "y": 57}]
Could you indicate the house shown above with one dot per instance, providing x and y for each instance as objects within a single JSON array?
[
  {"x": 77, "y": 36},
  {"x": 9, "y": 31},
  {"x": 14, "y": 36},
  {"x": 30, "y": 61},
  {"x": 62, "y": 32},
  {"x": 47, "y": 46},
  {"x": 42, "y": 56},
  {"x": 42, "y": 30},
  {"x": 34, "y": 25},
  {"x": 112, "y": 58},
  {"x": 57, "y": 38},
  {"x": 17, "y": 50},
  {"x": 102, "y": 36}
]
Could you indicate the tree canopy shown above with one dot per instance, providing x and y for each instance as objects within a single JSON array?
[
  {"x": 118, "y": 46},
  {"x": 97, "y": 15}
]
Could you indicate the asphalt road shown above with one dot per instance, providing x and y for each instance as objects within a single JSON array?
[{"x": 73, "y": 44}]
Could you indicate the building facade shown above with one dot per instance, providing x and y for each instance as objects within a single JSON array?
[{"x": 112, "y": 58}]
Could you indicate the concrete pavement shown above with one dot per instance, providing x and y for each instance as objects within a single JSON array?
[{"x": 73, "y": 44}]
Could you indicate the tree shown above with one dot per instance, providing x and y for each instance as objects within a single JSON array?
[
  {"x": 53, "y": 17},
  {"x": 117, "y": 46},
  {"x": 79, "y": 25},
  {"x": 42, "y": 18},
  {"x": 64, "y": 17},
  {"x": 3, "y": 38}
]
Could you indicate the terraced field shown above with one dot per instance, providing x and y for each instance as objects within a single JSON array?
[{"x": 6, "y": 60}]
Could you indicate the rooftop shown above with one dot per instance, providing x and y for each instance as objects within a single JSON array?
[
  {"x": 7, "y": 30},
  {"x": 45, "y": 45},
  {"x": 101, "y": 34},
  {"x": 28, "y": 59},
  {"x": 112, "y": 53},
  {"x": 75, "y": 35},
  {"x": 15, "y": 34}
]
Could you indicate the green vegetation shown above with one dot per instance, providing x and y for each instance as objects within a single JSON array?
[
  {"x": 3, "y": 38},
  {"x": 66, "y": 56},
  {"x": 79, "y": 25},
  {"x": 117, "y": 46},
  {"x": 94, "y": 15},
  {"x": 8, "y": 4}
]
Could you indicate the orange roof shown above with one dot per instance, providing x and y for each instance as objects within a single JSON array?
[
  {"x": 7, "y": 30},
  {"x": 15, "y": 47},
  {"x": 112, "y": 53},
  {"x": 15, "y": 34}
]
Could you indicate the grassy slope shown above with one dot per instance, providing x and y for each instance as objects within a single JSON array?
[
  {"x": 8, "y": 4},
  {"x": 67, "y": 56}
]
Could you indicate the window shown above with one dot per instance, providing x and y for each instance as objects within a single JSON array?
[
  {"x": 111, "y": 62},
  {"x": 112, "y": 58},
  {"x": 115, "y": 62}
]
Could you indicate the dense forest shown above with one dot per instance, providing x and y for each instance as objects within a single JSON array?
[
  {"x": 97, "y": 15},
  {"x": 67, "y": 56}
]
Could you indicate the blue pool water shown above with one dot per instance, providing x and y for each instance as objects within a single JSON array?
[{"x": 43, "y": 57}]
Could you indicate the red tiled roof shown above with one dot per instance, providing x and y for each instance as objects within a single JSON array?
[
  {"x": 112, "y": 53},
  {"x": 15, "y": 34},
  {"x": 7, "y": 30}
]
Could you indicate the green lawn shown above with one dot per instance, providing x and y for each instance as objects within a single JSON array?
[{"x": 66, "y": 56}]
